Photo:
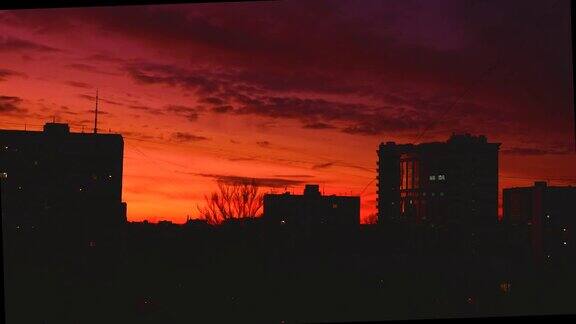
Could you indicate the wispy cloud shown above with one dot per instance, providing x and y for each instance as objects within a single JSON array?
[
  {"x": 263, "y": 182},
  {"x": 11, "y": 105},
  {"x": 13, "y": 44},
  {"x": 188, "y": 137}
]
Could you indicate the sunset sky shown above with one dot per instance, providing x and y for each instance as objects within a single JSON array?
[{"x": 294, "y": 92}]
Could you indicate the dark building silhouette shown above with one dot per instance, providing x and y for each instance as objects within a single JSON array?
[
  {"x": 452, "y": 182},
  {"x": 61, "y": 180},
  {"x": 546, "y": 214},
  {"x": 311, "y": 209}
]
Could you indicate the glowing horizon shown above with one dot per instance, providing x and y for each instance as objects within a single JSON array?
[{"x": 202, "y": 92}]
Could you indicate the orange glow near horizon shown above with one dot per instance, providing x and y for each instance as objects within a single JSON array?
[{"x": 204, "y": 92}]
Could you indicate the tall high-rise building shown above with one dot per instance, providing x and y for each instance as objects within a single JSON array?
[
  {"x": 58, "y": 179},
  {"x": 452, "y": 182}
]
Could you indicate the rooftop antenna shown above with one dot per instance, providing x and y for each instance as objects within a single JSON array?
[{"x": 96, "y": 114}]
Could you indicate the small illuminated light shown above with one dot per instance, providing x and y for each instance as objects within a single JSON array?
[
  {"x": 3, "y": 175},
  {"x": 547, "y": 215},
  {"x": 19, "y": 188},
  {"x": 565, "y": 243},
  {"x": 109, "y": 176},
  {"x": 441, "y": 177},
  {"x": 6, "y": 147},
  {"x": 563, "y": 230},
  {"x": 432, "y": 178},
  {"x": 80, "y": 189},
  {"x": 334, "y": 206},
  {"x": 282, "y": 222}
]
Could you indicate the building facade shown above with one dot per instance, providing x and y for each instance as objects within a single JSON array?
[
  {"x": 312, "y": 209},
  {"x": 58, "y": 179},
  {"x": 546, "y": 214},
  {"x": 452, "y": 182}
]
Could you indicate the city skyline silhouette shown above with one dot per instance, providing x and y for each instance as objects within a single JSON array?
[
  {"x": 271, "y": 106},
  {"x": 287, "y": 162}
]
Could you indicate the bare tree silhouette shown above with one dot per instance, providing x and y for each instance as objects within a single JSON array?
[{"x": 241, "y": 199}]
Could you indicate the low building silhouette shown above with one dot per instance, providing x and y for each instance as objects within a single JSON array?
[
  {"x": 545, "y": 214},
  {"x": 312, "y": 209},
  {"x": 441, "y": 183}
]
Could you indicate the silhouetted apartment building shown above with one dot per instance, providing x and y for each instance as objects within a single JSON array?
[
  {"x": 547, "y": 213},
  {"x": 312, "y": 208},
  {"x": 452, "y": 182},
  {"x": 61, "y": 180}
]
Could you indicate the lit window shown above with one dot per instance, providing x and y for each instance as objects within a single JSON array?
[
  {"x": 432, "y": 177},
  {"x": 334, "y": 206},
  {"x": 441, "y": 177},
  {"x": 505, "y": 287}
]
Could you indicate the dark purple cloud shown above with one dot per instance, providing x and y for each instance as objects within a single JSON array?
[
  {"x": 263, "y": 182},
  {"x": 190, "y": 113},
  {"x": 13, "y": 44},
  {"x": 11, "y": 105},
  {"x": 188, "y": 137},
  {"x": 7, "y": 73},
  {"x": 500, "y": 62}
]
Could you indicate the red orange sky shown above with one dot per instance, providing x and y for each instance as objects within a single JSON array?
[{"x": 294, "y": 92}]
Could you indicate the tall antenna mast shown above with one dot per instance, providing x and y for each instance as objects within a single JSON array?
[{"x": 96, "y": 114}]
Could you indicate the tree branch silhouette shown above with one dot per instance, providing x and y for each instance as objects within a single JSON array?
[{"x": 235, "y": 200}]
